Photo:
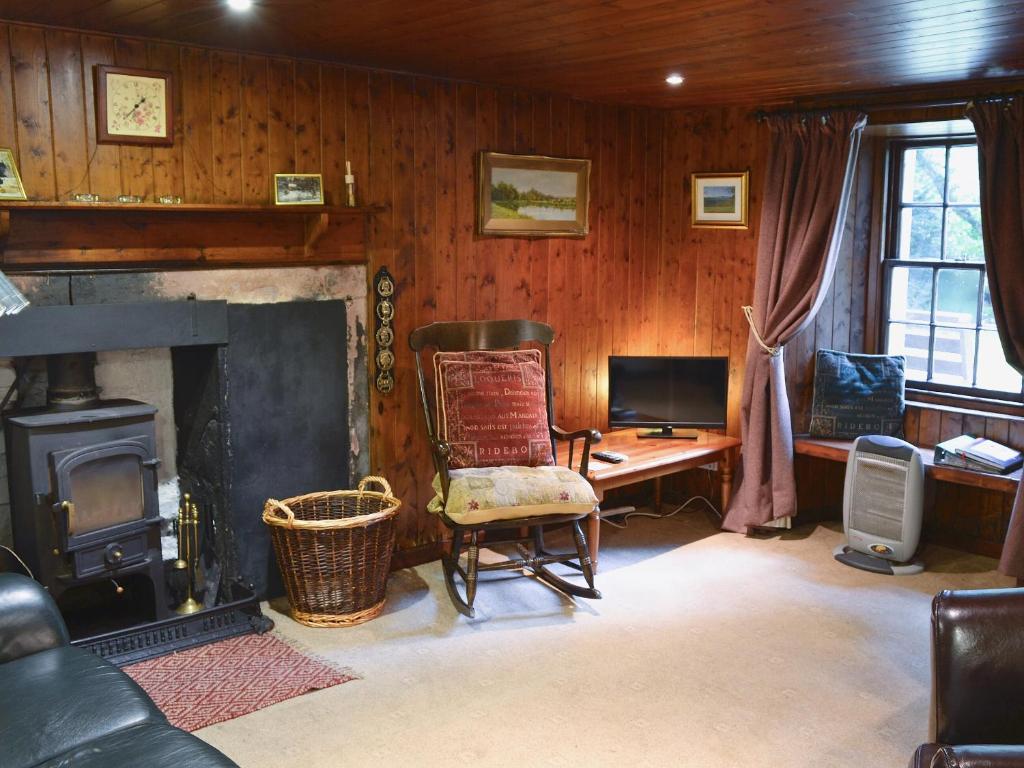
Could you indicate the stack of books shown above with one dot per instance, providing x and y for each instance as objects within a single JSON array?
[{"x": 978, "y": 453}]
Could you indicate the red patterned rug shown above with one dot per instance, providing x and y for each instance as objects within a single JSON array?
[{"x": 225, "y": 680}]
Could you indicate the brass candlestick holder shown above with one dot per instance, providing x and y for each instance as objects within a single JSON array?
[{"x": 188, "y": 553}]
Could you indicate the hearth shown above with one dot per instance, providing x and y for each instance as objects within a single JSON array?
[{"x": 84, "y": 492}]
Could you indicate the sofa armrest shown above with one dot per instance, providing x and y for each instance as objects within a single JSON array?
[
  {"x": 980, "y": 756},
  {"x": 29, "y": 619},
  {"x": 978, "y": 666}
]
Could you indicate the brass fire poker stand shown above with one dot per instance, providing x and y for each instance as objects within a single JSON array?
[{"x": 188, "y": 553}]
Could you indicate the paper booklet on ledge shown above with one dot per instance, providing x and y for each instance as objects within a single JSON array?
[{"x": 978, "y": 453}]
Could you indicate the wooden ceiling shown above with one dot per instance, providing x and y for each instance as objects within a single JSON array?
[{"x": 730, "y": 51}]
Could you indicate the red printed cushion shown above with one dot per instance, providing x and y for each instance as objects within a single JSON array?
[
  {"x": 481, "y": 356},
  {"x": 494, "y": 414}
]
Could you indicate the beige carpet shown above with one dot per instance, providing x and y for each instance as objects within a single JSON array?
[{"x": 708, "y": 649}]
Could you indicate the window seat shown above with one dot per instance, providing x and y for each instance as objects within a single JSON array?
[{"x": 839, "y": 450}]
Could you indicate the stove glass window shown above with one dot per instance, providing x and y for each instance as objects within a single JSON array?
[{"x": 106, "y": 492}]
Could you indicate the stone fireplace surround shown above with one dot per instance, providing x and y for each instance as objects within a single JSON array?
[{"x": 148, "y": 374}]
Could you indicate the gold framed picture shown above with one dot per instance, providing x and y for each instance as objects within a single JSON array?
[
  {"x": 533, "y": 195},
  {"x": 11, "y": 187},
  {"x": 298, "y": 189},
  {"x": 134, "y": 106},
  {"x": 719, "y": 200}
]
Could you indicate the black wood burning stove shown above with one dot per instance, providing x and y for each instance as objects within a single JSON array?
[{"x": 84, "y": 489}]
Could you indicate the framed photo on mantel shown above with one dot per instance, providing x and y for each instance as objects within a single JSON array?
[
  {"x": 533, "y": 196},
  {"x": 720, "y": 200}
]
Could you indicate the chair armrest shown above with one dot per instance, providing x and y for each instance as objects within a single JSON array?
[
  {"x": 980, "y": 756},
  {"x": 588, "y": 436},
  {"x": 978, "y": 666},
  {"x": 29, "y": 619}
]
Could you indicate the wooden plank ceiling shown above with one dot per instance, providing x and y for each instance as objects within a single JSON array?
[{"x": 730, "y": 51}]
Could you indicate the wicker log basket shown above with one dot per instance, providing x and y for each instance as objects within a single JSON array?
[{"x": 334, "y": 552}]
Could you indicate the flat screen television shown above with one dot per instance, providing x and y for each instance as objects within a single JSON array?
[{"x": 669, "y": 396}]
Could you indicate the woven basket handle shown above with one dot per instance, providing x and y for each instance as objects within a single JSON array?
[
  {"x": 289, "y": 516},
  {"x": 374, "y": 479}
]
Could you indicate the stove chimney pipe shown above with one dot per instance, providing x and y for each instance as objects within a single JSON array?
[{"x": 71, "y": 380}]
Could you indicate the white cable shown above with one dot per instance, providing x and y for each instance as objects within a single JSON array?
[
  {"x": 15, "y": 556},
  {"x": 659, "y": 515}
]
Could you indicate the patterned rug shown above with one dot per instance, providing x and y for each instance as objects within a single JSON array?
[{"x": 225, "y": 680}]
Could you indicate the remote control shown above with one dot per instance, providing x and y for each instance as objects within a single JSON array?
[{"x": 610, "y": 456}]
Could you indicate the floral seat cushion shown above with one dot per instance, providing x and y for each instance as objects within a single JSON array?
[{"x": 486, "y": 494}]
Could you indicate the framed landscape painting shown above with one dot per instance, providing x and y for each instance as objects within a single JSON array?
[
  {"x": 720, "y": 200},
  {"x": 533, "y": 196}
]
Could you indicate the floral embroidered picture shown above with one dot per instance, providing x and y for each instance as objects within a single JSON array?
[{"x": 133, "y": 106}]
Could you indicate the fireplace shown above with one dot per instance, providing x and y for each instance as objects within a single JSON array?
[
  {"x": 236, "y": 421},
  {"x": 83, "y": 491}
]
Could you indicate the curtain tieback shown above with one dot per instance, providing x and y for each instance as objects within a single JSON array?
[{"x": 775, "y": 351}]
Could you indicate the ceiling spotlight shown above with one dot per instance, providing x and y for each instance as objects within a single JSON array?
[
  {"x": 239, "y": 5},
  {"x": 674, "y": 79}
]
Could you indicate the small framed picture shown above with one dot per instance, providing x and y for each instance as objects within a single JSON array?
[
  {"x": 720, "y": 200},
  {"x": 298, "y": 189},
  {"x": 10, "y": 181}
]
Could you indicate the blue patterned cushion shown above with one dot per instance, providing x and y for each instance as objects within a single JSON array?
[{"x": 857, "y": 395}]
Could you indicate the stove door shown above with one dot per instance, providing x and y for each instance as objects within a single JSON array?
[{"x": 105, "y": 490}]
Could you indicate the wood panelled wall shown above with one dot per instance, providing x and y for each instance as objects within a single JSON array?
[{"x": 643, "y": 281}]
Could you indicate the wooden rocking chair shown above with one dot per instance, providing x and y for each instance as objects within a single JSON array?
[{"x": 501, "y": 336}]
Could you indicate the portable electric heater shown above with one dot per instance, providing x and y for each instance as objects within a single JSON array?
[{"x": 883, "y": 505}]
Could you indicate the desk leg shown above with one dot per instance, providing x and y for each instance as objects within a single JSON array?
[
  {"x": 594, "y": 536},
  {"x": 727, "y": 467}
]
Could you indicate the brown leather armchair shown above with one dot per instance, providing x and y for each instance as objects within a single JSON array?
[{"x": 977, "y": 681}]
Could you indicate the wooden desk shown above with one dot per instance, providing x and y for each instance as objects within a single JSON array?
[{"x": 653, "y": 458}]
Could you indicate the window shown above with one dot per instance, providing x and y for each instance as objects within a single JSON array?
[{"x": 938, "y": 307}]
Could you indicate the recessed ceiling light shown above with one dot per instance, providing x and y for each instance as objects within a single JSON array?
[
  {"x": 674, "y": 79},
  {"x": 239, "y": 5}
]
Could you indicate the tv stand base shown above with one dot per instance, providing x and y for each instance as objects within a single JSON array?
[{"x": 669, "y": 432}]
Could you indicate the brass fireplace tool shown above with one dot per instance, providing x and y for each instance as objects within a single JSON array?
[{"x": 188, "y": 553}]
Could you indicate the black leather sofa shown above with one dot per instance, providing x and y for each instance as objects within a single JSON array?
[
  {"x": 62, "y": 707},
  {"x": 977, "y": 681}
]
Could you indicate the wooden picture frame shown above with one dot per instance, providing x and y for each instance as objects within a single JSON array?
[
  {"x": 11, "y": 187},
  {"x": 720, "y": 200},
  {"x": 134, "y": 106},
  {"x": 298, "y": 189},
  {"x": 547, "y": 186}
]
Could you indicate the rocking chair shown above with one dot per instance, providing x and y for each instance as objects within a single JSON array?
[{"x": 491, "y": 500}]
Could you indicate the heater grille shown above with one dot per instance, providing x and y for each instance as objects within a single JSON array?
[{"x": 879, "y": 488}]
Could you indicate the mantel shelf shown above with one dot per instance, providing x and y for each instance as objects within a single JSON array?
[{"x": 47, "y": 235}]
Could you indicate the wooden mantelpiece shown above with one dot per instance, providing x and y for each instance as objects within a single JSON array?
[{"x": 40, "y": 236}]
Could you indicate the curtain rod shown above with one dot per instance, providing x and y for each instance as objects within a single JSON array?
[{"x": 960, "y": 101}]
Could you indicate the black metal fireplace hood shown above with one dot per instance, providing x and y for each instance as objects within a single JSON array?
[{"x": 57, "y": 330}]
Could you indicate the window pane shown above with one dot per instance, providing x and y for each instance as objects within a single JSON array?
[
  {"x": 921, "y": 233},
  {"x": 910, "y": 294},
  {"x": 956, "y": 297},
  {"x": 963, "y": 235},
  {"x": 954, "y": 356},
  {"x": 963, "y": 174},
  {"x": 924, "y": 175},
  {"x": 912, "y": 342},
  {"x": 993, "y": 370},
  {"x": 988, "y": 316}
]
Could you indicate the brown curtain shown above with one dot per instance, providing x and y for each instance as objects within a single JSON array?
[
  {"x": 807, "y": 186},
  {"x": 1000, "y": 128}
]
